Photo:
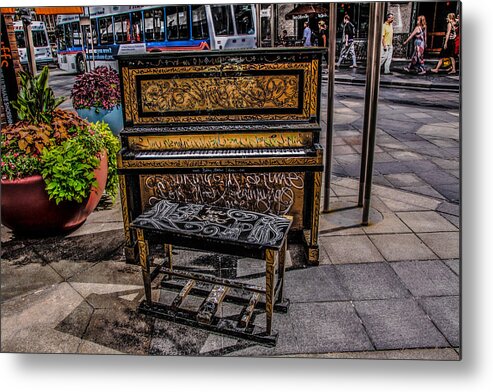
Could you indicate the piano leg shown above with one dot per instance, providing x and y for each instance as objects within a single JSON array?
[
  {"x": 144, "y": 263},
  {"x": 311, "y": 236}
]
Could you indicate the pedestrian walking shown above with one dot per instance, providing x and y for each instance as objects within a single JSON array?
[
  {"x": 418, "y": 58},
  {"x": 307, "y": 35},
  {"x": 448, "y": 49},
  {"x": 387, "y": 38},
  {"x": 322, "y": 34},
  {"x": 323, "y": 38},
  {"x": 348, "y": 42}
]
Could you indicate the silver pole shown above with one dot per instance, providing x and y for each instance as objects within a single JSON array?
[
  {"x": 332, "y": 26},
  {"x": 272, "y": 26},
  {"x": 372, "y": 100}
]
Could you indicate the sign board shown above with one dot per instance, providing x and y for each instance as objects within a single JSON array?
[
  {"x": 131, "y": 49},
  {"x": 8, "y": 81}
]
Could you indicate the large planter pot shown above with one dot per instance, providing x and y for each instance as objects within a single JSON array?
[
  {"x": 27, "y": 209},
  {"x": 113, "y": 117}
]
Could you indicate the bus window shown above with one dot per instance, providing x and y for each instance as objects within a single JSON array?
[
  {"x": 200, "y": 29},
  {"x": 39, "y": 38},
  {"x": 154, "y": 25},
  {"x": 222, "y": 19},
  {"x": 122, "y": 29},
  {"x": 76, "y": 34},
  {"x": 244, "y": 19},
  {"x": 20, "y": 38},
  {"x": 177, "y": 23},
  {"x": 94, "y": 28},
  {"x": 106, "y": 30},
  {"x": 136, "y": 30}
]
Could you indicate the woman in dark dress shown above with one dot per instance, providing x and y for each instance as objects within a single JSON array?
[
  {"x": 448, "y": 50},
  {"x": 418, "y": 57}
]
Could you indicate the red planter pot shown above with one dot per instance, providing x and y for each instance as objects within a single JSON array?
[{"x": 26, "y": 208}]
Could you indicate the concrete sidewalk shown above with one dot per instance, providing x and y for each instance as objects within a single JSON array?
[{"x": 389, "y": 290}]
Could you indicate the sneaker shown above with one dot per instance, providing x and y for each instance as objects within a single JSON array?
[
  {"x": 407, "y": 69},
  {"x": 422, "y": 72},
  {"x": 353, "y": 66},
  {"x": 388, "y": 73}
]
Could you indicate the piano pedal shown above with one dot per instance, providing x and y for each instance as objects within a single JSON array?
[{"x": 211, "y": 304}]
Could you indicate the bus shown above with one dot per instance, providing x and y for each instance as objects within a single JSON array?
[
  {"x": 105, "y": 31},
  {"x": 42, "y": 49}
]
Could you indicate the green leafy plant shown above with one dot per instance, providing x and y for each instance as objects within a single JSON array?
[
  {"x": 57, "y": 144},
  {"x": 36, "y": 101}
]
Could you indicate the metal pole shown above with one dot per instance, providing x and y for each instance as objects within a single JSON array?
[
  {"x": 364, "y": 139},
  {"x": 259, "y": 33},
  {"x": 374, "y": 81},
  {"x": 332, "y": 26},
  {"x": 31, "y": 57},
  {"x": 272, "y": 26}
]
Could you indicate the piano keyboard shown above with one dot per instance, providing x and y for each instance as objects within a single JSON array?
[{"x": 230, "y": 153}]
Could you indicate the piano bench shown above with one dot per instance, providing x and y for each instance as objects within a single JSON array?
[{"x": 219, "y": 230}]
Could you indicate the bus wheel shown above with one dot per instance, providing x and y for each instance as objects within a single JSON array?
[{"x": 79, "y": 64}]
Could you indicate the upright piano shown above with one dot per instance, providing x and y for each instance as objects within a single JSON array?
[{"x": 226, "y": 128}]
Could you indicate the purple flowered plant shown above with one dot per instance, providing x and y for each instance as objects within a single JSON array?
[{"x": 98, "y": 89}]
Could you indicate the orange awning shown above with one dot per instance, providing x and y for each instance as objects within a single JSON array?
[
  {"x": 48, "y": 10},
  {"x": 58, "y": 10}
]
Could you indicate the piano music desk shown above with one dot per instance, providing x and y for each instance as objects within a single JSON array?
[{"x": 220, "y": 230}]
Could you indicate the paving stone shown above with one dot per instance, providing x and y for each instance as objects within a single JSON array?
[
  {"x": 371, "y": 281},
  {"x": 391, "y": 167},
  {"x": 450, "y": 131},
  {"x": 425, "y": 190},
  {"x": 121, "y": 329},
  {"x": 454, "y": 265},
  {"x": 69, "y": 268},
  {"x": 425, "y": 221},
  {"x": 93, "y": 348},
  {"x": 455, "y": 220},
  {"x": 43, "y": 309},
  {"x": 449, "y": 191},
  {"x": 77, "y": 321},
  {"x": 445, "y": 245},
  {"x": 398, "y": 324},
  {"x": 438, "y": 177},
  {"x": 417, "y": 201},
  {"x": 427, "y": 277},
  {"x": 405, "y": 155},
  {"x": 342, "y": 150},
  {"x": 335, "y": 327},
  {"x": 169, "y": 338},
  {"x": 445, "y": 313},
  {"x": 447, "y": 164},
  {"x": 404, "y": 180},
  {"x": 314, "y": 284},
  {"x": 389, "y": 224},
  {"x": 350, "y": 249},
  {"x": 18, "y": 280},
  {"x": 435, "y": 354},
  {"x": 395, "y": 247},
  {"x": 113, "y": 272},
  {"x": 38, "y": 339}
]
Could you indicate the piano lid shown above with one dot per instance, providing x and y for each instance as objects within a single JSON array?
[{"x": 213, "y": 87}]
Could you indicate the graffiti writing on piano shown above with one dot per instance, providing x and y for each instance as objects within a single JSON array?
[{"x": 262, "y": 192}]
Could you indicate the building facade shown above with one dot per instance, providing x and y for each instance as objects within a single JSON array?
[{"x": 405, "y": 15}]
